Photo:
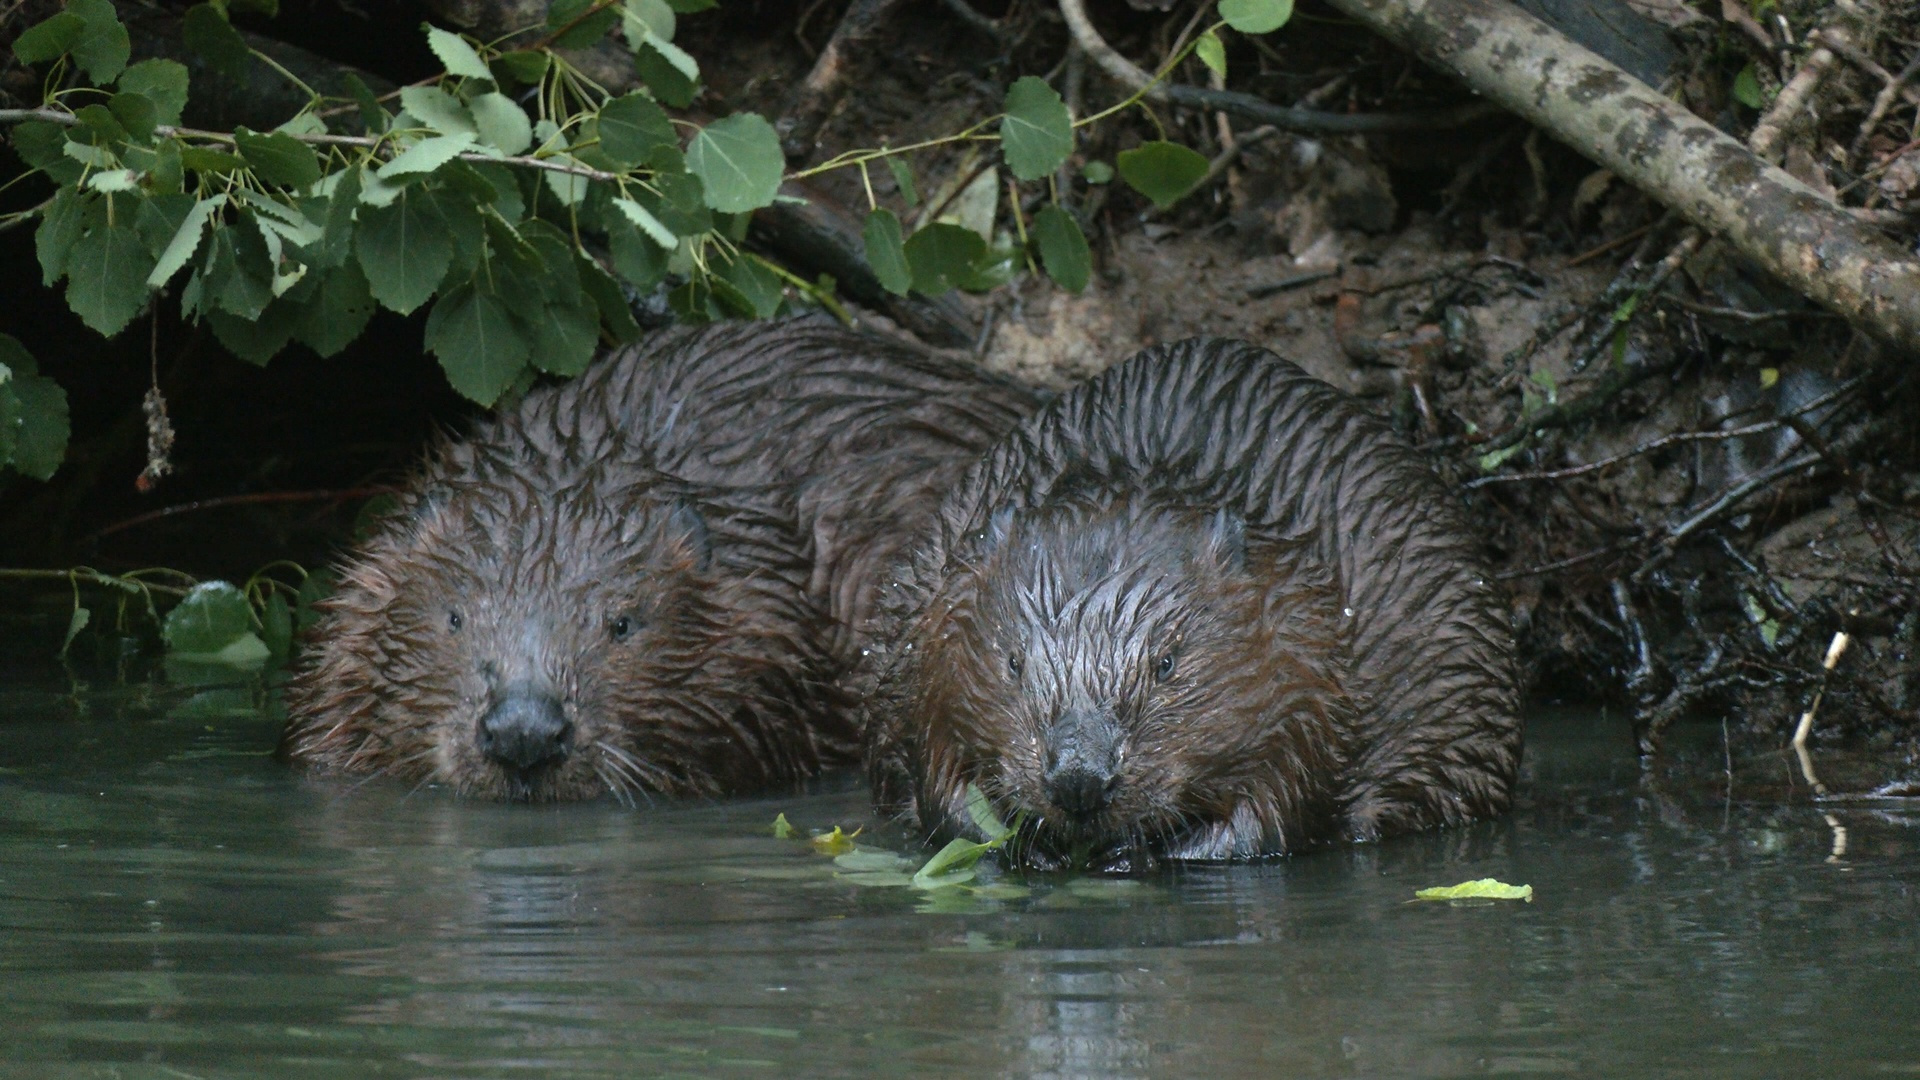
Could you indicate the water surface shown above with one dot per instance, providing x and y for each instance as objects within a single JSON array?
[{"x": 173, "y": 903}]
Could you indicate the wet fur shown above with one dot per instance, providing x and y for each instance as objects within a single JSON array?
[
  {"x": 805, "y": 456},
  {"x": 1415, "y": 691}
]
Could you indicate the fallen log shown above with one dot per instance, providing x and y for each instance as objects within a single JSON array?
[{"x": 1785, "y": 227}]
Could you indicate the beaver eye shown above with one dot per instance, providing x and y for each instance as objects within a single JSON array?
[
  {"x": 623, "y": 627},
  {"x": 454, "y": 621},
  {"x": 1014, "y": 665},
  {"x": 1163, "y": 669}
]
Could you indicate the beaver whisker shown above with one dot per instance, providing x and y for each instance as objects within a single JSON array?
[{"x": 631, "y": 768}]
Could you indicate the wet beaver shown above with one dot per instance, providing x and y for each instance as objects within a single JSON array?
[
  {"x": 645, "y": 580},
  {"x": 1200, "y": 607}
]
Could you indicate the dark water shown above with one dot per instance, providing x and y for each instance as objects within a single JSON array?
[{"x": 173, "y": 904}]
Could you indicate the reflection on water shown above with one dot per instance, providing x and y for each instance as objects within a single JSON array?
[{"x": 174, "y": 904}]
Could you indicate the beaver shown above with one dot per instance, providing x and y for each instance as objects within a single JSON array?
[
  {"x": 1202, "y": 607},
  {"x": 646, "y": 580}
]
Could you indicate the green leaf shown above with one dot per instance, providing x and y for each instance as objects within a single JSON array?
[
  {"x": 502, "y": 123},
  {"x": 103, "y": 47},
  {"x": 1212, "y": 53},
  {"x": 1256, "y": 16},
  {"x": 9, "y": 408},
  {"x": 276, "y": 626},
  {"x": 951, "y": 865},
  {"x": 872, "y": 860},
  {"x": 635, "y": 256},
  {"x": 1747, "y": 91},
  {"x": 631, "y": 128},
  {"x": 43, "y": 145},
  {"x": 93, "y": 157},
  {"x": 256, "y": 340},
  {"x": 337, "y": 311},
  {"x": 1483, "y": 889},
  {"x": 688, "y": 7},
  {"x": 753, "y": 285},
  {"x": 739, "y": 161},
  {"x": 781, "y": 829},
  {"x": 647, "y": 223},
  {"x": 426, "y": 155},
  {"x": 98, "y": 127},
  {"x": 564, "y": 336},
  {"x": 903, "y": 179},
  {"x": 317, "y": 587},
  {"x": 163, "y": 82},
  {"x": 570, "y": 188},
  {"x": 479, "y": 347},
  {"x": 185, "y": 241},
  {"x": 61, "y": 226},
  {"x": 679, "y": 201},
  {"x": 438, "y": 110},
  {"x": 337, "y": 225},
  {"x": 664, "y": 74},
  {"x": 136, "y": 113},
  {"x": 1063, "y": 248},
  {"x": 588, "y": 31},
  {"x": 212, "y": 618},
  {"x": 404, "y": 250},
  {"x": 1494, "y": 459},
  {"x": 649, "y": 18},
  {"x": 107, "y": 271},
  {"x": 607, "y": 297},
  {"x": 49, "y": 39},
  {"x": 456, "y": 55},
  {"x": 980, "y": 809},
  {"x": 207, "y": 32},
  {"x": 523, "y": 66},
  {"x": 281, "y": 160},
  {"x": 1037, "y": 134},
  {"x": 239, "y": 271},
  {"x": 216, "y": 162},
  {"x": 1162, "y": 171},
  {"x": 75, "y": 624},
  {"x": 942, "y": 256},
  {"x": 371, "y": 113},
  {"x": 886, "y": 252},
  {"x": 40, "y": 444}
]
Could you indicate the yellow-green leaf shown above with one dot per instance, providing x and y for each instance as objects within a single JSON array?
[{"x": 1483, "y": 889}]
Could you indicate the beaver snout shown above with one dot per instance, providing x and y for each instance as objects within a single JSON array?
[
  {"x": 1084, "y": 766},
  {"x": 525, "y": 729}
]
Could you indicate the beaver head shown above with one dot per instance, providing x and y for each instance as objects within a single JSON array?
[
  {"x": 1138, "y": 679},
  {"x": 534, "y": 634}
]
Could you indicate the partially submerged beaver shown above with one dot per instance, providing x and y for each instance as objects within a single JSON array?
[
  {"x": 1201, "y": 607},
  {"x": 643, "y": 581}
]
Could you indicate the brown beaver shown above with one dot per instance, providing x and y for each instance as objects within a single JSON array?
[
  {"x": 630, "y": 584},
  {"x": 1200, "y": 607}
]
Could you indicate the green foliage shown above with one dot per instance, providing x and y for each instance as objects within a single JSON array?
[
  {"x": 1037, "y": 134},
  {"x": 1256, "y": 16},
  {"x": 1747, "y": 91},
  {"x": 1483, "y": 889},
  {"x": 510, "y": 198},
  {"x": 1162, "y": 171},
  {"x": 214, "y": 624}
]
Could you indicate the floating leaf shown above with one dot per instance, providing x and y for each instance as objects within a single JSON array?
[
  {"x": 1256, "y": 16},
  {"x": 1162, "y": 171},
  {"x": 404, "y": 249},
  {"x": 163, "y": 82},
  {"x": 836, "y": 842},
  {"x": 103, "y": 46},
  {"x": 49, "y": 39},
  {"x": 943, "y": 256},
  {"x": 278, "y": 159},
  {"x": 781, "y": 829},
  {"x": 739, "y": 161},
  {"x": 1063, "y": 248},
  {"x": 951, "y": 865},
  {"x": 479, "y": 346},
  {"x": 980, "y": 809},
  {"x": 870, "y": 860},
  {"x": 886, "y": 252},
  {"x": 1483, "y": 889},
  {"x": 1037, "y": 134},
  {"x": 456, "y": 55},
  {"x": 503, "y": 124},
  {"x": 207, "y": 32}
]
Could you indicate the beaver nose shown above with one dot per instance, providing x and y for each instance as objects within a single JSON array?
[
  {"x": 524, "y": 729},
  {"x": 1080, "y": 791}
]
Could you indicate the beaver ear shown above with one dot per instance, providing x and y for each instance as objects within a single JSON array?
[
  {"x": 1226, "y": 541},
  {"x": 685, "y": 526}
]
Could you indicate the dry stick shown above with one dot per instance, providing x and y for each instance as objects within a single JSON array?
[
  {"x": 1654, "y": 143},
  {"x": 1882, "y": 104},
  {"x": 1248, "y": 107},
  {"x": 1805, "y": 727},
  {"x": 1790, "y": 103}
]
